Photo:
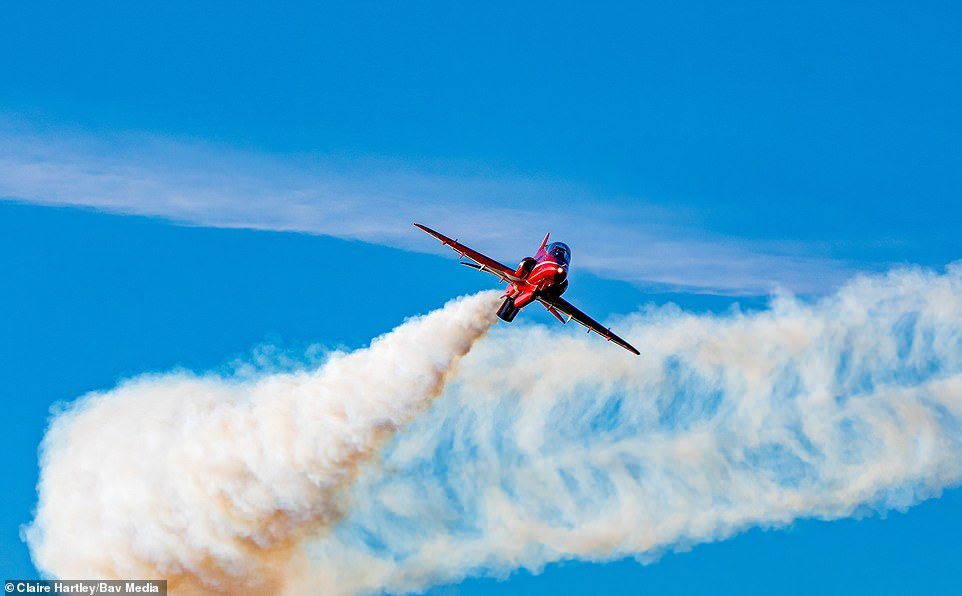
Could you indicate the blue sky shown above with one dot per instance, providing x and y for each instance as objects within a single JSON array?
[{"x": 697, "y": 154}]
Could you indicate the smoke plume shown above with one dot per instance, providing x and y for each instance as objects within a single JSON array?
[
  {"x": 551, "y": 445},
  {"x": 213, "y": 483},
  {"x": 547, "y": 445}
]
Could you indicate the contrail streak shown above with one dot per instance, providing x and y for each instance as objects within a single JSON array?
[{"x": 211, "y": 482}]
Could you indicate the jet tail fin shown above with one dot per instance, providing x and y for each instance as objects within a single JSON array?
[{"x": 544, "y": 243}]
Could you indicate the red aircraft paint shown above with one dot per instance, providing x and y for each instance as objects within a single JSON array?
[{"x": 542, "y": 278}]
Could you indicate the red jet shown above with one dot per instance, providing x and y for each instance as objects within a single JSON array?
[{"x": 543, "y": 277}]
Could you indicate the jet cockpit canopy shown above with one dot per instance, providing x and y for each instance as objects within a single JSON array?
[{"x": 560, "y": 251}]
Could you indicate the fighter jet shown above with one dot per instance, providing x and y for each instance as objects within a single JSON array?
[{"x": 542, "y": 278}]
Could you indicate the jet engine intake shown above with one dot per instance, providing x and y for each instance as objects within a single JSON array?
[{"x": 525, "y": 267}]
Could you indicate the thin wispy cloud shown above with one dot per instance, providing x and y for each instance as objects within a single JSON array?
[{"x": 375, "y": 200}]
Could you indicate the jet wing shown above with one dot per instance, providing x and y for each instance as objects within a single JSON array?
[
  {"x": 484, "y": 263},
  {"x": 562, "y": 305}
]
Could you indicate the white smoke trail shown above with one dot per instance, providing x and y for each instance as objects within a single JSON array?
[
  {"x": 551, "y": 446},
  {"x": 213, "y": 482},
  {"x": 548, "y": 445}
]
